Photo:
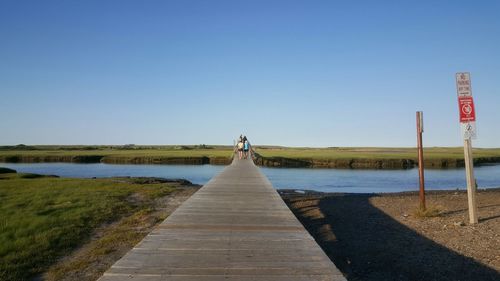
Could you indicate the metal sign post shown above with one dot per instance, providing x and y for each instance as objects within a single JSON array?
[
  {"x": 468, "y": 124},
  {"x": 420, "y": 130}
]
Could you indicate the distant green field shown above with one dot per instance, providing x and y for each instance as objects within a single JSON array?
[
  {"x": 42, "y": 219},
  {"x": 373, "y": 153},
  {"x": 151, "y": 153},
  {"x": 120, "y": 151}
]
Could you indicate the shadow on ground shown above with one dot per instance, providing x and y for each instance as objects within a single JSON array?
[{"x": 367, "y": 244}]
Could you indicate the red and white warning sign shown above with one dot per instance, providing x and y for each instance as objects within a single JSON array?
[{"x": 466, "y": 107}]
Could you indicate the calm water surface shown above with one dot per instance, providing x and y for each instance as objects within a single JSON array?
[{"x": 327, "y": 180}]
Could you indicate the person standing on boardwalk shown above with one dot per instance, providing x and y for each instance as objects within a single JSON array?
[
  {"x": 246, "y": 147},
  {"x": 240, "y": 146}
]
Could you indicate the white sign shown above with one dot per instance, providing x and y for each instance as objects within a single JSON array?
[
  {"x": 464, "y": 92},
  {"x": 463, "y": 84},
  {"x": 469, "y": 130}
]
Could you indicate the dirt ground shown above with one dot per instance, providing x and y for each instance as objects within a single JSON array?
[{"x": 382, "y": 237}]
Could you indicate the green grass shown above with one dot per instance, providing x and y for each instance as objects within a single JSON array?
[
  {"x": 125, "y": 233},
  {"x": 42, "y": 219},
  {"x": 373, "y": 153},
  {"x": 160, "y": 151},
  {"x": 429, "y": 212}
]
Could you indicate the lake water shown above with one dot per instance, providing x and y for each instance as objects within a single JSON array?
[{"x": 327, "y": 180}]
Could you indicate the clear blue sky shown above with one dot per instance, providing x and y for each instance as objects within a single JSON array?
[{"x": 297, "y": 73}]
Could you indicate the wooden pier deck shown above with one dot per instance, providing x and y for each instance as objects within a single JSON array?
[{"x": 236, "y": 227}]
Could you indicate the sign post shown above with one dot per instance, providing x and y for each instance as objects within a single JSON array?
[
  {"x": 420, "y": 130},
  {"x": 468, "y": 125}
]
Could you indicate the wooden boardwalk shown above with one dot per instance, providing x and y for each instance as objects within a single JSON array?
[{"x": 236, "y": 227}]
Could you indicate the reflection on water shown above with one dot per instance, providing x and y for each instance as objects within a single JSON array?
[{"x": 328, "y": 180}]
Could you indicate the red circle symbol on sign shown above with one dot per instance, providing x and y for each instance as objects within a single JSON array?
[{"x": 466, "y": 109}]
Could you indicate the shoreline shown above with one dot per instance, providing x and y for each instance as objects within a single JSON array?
[
  {"x": 97, "y": 220},
  {"x": 308, "y": 192},
  {"x": 369, "y": 163},
  {"x": 270, "y": 162},
  {"x": 384, "y": 237}
]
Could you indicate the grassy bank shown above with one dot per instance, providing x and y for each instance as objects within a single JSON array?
[
  {"x": 373, "y": 152},
  {"x": 45, "y": 218},
  {"x": 335, "y": 157},
  {"x": 371, "y": 157},
  {"x": 200, "y": 154}
]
